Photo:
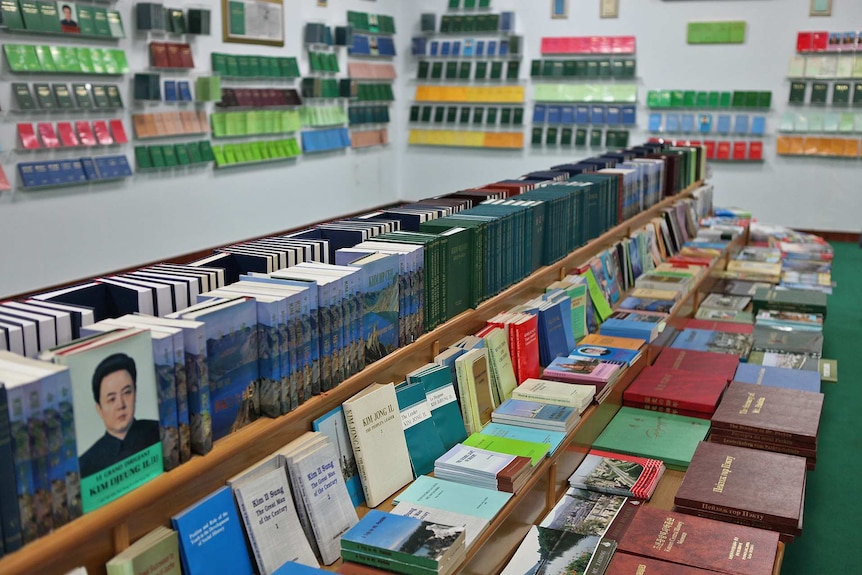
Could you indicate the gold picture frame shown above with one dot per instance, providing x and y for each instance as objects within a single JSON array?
[
  {"x": 253, "y": 22},
  {"x": 820, "y": 8}
]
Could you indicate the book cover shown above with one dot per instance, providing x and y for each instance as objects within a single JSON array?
[
  {"x": 552, "y": 438},
  {"x": 778, "y": 377},
  {"x": 156, "y": 552},
  {"x": 747, "y": 483},
  {"x": 211, "y": 537},
  {"x": 786, "y": 340},
  {"x": 691, "y": 391},
  {"x": 454, "y": 497},
  {"x": 535, "y": 451},
  {"x": 627, "y": 564},
  {"x": 443, "y": 402},
  {"x": 769, "y": 411},
  {"x": 474, "y": 389},
  {"x": 583, "y": 512},
  {"x": 535, "y": 414},
  {"x": 582, "y": 370},
  {"x": 668, "y": 437},
  {"x": 556, "y": 393},
  {"x": 420, "y": 431},
  {"x": 725, "y": 302},
  {"x": 618, "y": 474},
  {"x": 377, "y": 436},
  {"x": 604, "y": 353},
  {"x": 714, "y": 341},
  {"x": 500, "y": 363},
  {"x": 334, "y": 426},
  {"x": 698, "y": 361},
  {"x": 552, "y": 551}
]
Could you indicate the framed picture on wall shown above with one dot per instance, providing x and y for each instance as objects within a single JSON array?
[
  {"x": 609, "y": 8},
  {"x": 560, "y": 9},
  {"x": 253, "y": 21},
  {"x": 821, "y": 8}
]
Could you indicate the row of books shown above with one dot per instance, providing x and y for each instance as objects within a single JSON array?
[
  {"x": 66, "y": 59},
  {"x": 57, "y": 96},
  {"x": 155, "y": 17},
  {"x": 371, "y": 71},
  {"x": 825, "y": 67},
  {"x": 702, "y": 124},
  {"x": 588, "y": 45},
  {"x": 598, "y": 114},
  {"x": 254, "y": 66},
  {"x": 459, "y": 5},
  {"x": 369, "y": 138},
  {"x": 325, "y": 140},
  {"x": 171, "y": 55},
  {"x": 160, "y": 124},
  {"x": 484, "y": 22},
  {"x": 464, "y": 70},
  {"x": 173, "y": 155},
  {"x": 595, "y": 137},
  {"x": 726, "y": 150},
  {"x": 818, "y": 146},
  {"x": 575, "y": 93},
  {"x": 259, "y": 97},
  {"x": 323, "y": 62},
  {"x": 258, "y": 122},
  {"x": 61, "y": 18},
  {"x": 470, "y": 138},
  {"x": 359, "y": 115},
  {"x": 821, "y": 41},
  {"x": 474, "y": 115},
  {"x": 73, "y": 171},
  {"x": 695, "y": 99},
  {"x": 366, "y": 45},
  {"x": 467, "y": 48},
  {"x": 373, "y": 23},
  {"x": 820, "y": 93},
  {"x": 150, "y": 87},
  {"x": 253, "y": 152},
  {"x": 589, "y": 69},
  {"x": 66, "y": 135}
]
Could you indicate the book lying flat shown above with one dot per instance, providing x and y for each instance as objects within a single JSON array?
[
  {"x": 778, "y": 377},
  {"x": 618, "y": 474},
  {"x": 454, "y": 497}
]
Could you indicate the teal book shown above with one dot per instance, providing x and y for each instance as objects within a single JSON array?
[
  {"x": 334, "y": 426},
  {"x": 655, "y": 435},
  {"x": 423, "y": 441},
  {"x": 211, "y": 537},
  {"x": 455, "y": 497},
  {"x": 440, "y": 391},
  {"x": 535, "y": 451}
]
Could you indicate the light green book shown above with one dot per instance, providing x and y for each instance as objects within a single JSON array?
[
  {"x": 829, "y": 370},
  {"x": 535, "y": 451},
  {"x": 156, "y": 552},
  {"x": 455, "y": 497},
  {"x": 666, "y": 436},
  {"x": 46, "y": 58}
]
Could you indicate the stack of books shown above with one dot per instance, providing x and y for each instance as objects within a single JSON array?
[
  {"x": 738, "y": 344},
  {"x": 745, "y": 486},
  {"x": 536, "y": 415},
  {"x": 402, "y": 544},
  {"x": 556, "y": 393},
  {"x": 634, "y": 324},
  {"x": 601, "y": 374},
  {"x": 684, "y": 392},
  {"x": 618, "y": 474},
  {"x": 483, "y": 468},
  {"x": 805, "y": 380},
  {"x": 769, "y": 418}
]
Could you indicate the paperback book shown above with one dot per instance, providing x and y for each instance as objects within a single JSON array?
[{"x": 618, "y": 474}]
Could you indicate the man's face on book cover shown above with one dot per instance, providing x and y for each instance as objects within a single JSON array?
[{"x": 117, "y": 402}]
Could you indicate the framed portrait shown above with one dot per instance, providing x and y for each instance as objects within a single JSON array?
[
  {"x": 559, "y": 9},
  {"x": 820, "y": 8},
  {"x": 253, "y": 22}
]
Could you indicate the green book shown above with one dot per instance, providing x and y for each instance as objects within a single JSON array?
[
  {"x": 170, "y": 156},
  {"x": 439, "y": 114},
  {"x": 206, "y": 151},
  {"x": 552, "y": 135},
  {"x": 535, "y": 451},
  {"x": 113, "y": 94},
  {"x": 464, "y": 70},
  {"x": 86, "y": 23},
  {"x": 46, "y": 58},
  {"x": 857, "y": 95},
  {"x": 797, "y": 92},
  {"x": 100, "y": 22},
  {"x": 426, "y": 114},
  {"x": 436, "y": 70},
  {"x": 725, "y": 100},
  {"x": 595, "y": 138},
  {"x": 581, "y": 69},
  {"x": 505, "y": 116},
  {"x": 157, "y": 158},
  {"x": 841, "y": 94},
  {"x": 496, "y": 70},
  {"x": 177, "y": 20},
  {"x": 478, "y": 115},
  {"x": 581, "y": 137},
  {"x": 570, "y": 69},
  {"x": 63, "y": 96},
  {"x": 714, "y": 100},
  {"x": 49, "y": 17},
  {"x": 803, "y": 301},
  {"x": 513, "y": 69},
  {"x": 491, "y": 117},
  {"x": 481, "y": 72},
  {"x": 11, "y": 15},
  {"x": 81, "y": 92},
  {"x": 536, "y": 69},
  {"x": 653, "y": 99},
  {"x": 752, "y": 99},
  {"x": 689, "y": 99},
  {"x": 819, "y": 93},
  {"x": 100, "y": 96},
  {"x": 142, "y": 156},
  {"x": 182, "y": 153},
  {"x": 677, "y": 98},
  {"x": 666, "y": 436},
  {"x": 451, "y": 114},
  {"x": 566, "y": 135},
  {"x": 738, "y": 99},
  {"x": 518, "y": 116},
  {"x": 414, "y": 113},
  {"x": 764, "y": 100},
  {"x": 537, "y": 137},
  {"x": 194, "y": 151},
  {"x": 115, "y": 24},
  {"x": 702, "y": 100},
  {"x": 232, "y": 64},
  {"x": 451, "y": 70},
  {"x": 464, "y": 117},
  {"x": 629, "y": 68},
  {"x": 30, "y": 15},
  {"x": 592, "y": 70},
  {"x": 45, "y": 97},
  {"x": 423, "y": 69},
  {"x": 23, "y": 97}
]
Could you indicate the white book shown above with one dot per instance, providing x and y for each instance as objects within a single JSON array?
[
  {"x": 324, "y": 495},
  {"x": 500, "y": 363},
  {"x": 473, "y": 461},
  {"x": 473, "y": 526},
  {"x": 555, "y": 392},
  {"x": 377, "y": 436},
  {"x": 271, "y": 523},
  {"x": 308, "y": 441}
]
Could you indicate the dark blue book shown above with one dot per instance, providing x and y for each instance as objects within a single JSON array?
[
  {"x": 185, "y": 91},
  {"x": 597, "y": 114},
  {"x": 211, "y": 537},
  {"x": 554, "y": 339},
  {"x": 582, "y": 114},
  {"x": 480, "y": 48},
  {"x": 385, "y": 46},
  {"x": 9, "y": 516},
  {"x": 554, "y": 114},
  {"x": 628, "y": 115},
  {"x": 294, "y": 568},
  {"x": 612, "y": 117},
  {"x": 567, "y": 115},
  {"x": 435, "y": 48},
  {"x": 540, "y": 114},
  {"x": 456, "y": 48},
  {"x": 418, "y": 46},
  {"x": 89, "y": 168},
  {"x": 778, "y": 377},
  {"x": 171, "y": 91},
  {"x": 492, "y": 47}
]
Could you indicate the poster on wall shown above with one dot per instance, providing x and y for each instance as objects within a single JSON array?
[{"x": 253, "y": 21}]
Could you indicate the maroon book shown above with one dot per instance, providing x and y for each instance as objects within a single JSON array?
[
  {"x": 809, "y": 454},
  {"x": 175, "y": 59},
  {"x": 159, "y": 55},
  {"x": 781, "y": 529},
  {"x": 625, "y": 564},
  {"x": 699, "y": 361},
  {"x": 741, "y": 482},
  {"x": 726, "y": 326},
  {"x": 769, "y": 411},
  {"x": 186, "y": 59},
  {"x": 676, "y": 388},
  {"x": 702, "y": 543},
  {"x": 667, "y": 409},
  {"x": 769, "y": 439}
]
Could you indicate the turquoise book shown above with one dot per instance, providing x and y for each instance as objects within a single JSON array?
[
  {"x": 423, "y": 441},
  {"x": 334, "y": 426},
  {"x": 455, "y": 497},
  {"x": 445, "y": 412},
  {"x": 231, "y": 341},
  {"x": 211, "y": 537},
  {"x": 532, "y": 435},
  {"x": 669, "y": 437},
  {"x": 294, "y": 568}
]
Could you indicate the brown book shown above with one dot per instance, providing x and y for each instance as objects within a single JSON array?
[
  {"x": 175, "y": 59},
  {"x": 809, "y": 454},
  {"x": 770, "y": 411},
  {"x": 741, "y": 482},
  {"x": 186, "y": 59},
  {"x": 162, "y": 127},
  {"x": 770, "y": 439},
  {"x": 789, "y": 532},
  {"x": 159, "y": 55},
  {"x": 139, "y": 122},
  {"x": 349, "y": 568},
  {"x": 625, "y": 564},
  {"x": 697, "y": 542}
]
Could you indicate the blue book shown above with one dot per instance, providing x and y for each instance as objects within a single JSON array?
[
  {"x": 554, "y": 114},
  {"x": 533, "y": 412},
  {"x": 597, "y": 114},
  {"x": 294, "y": 568},
  {"x": 687, "y": 123},
  {"x": 714, "y": 341},
  {"x": 185, "y": 90},
  {"x": 232, "y": 364},
  {"x": 778, "y": 377},
  {"x": 504, "y": 48},
  {"x": 655, "y": 122},
  {"x": 671, "y": 123},
  {"x": 723, "y": 124},
  {"x": 758, "y": 125},
  {"x": 492, "y": 47},
  {"x": 445, "y": 48},
  {"x": 704, "y": 123},
  {"x": 418, "y": 46},
  {"x": 380, "y": 304},
  {"x": 740, "y": 124},
  {"x": 507, "y": 21},
  {"x": 613, "y": 116},
  {"x": 469, "y": 48},
  {"x": 440, "y": 390},
  {"x": 211, "y": 537},
  {"x": 582, "y": 114},
  {"x": 567, "y": 115},
  {"x": 435, "y": 48},
  {"x": 554, "y": 340},
  {"x": 552, "y": 438},
  {"x": 540, "y": 114},
  {"x": 423, "y": 441},
  {"x": 606, "y": 354},
  {"x": 480, "y": 48},
  {"x": 628, "y": 115},
  {"x": 644, "y": 304},
  {"x": 456, "y": 48},
  {"x": 334, "y": 426},
  {"x": 171, "y": 91},
  {"x": 632, "y": 327},
  {"x": 385, "y": 46}
]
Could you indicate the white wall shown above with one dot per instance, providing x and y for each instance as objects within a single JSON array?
[
  {"x": 54, "y": 236},
  {"x": 803, "y": 192}
]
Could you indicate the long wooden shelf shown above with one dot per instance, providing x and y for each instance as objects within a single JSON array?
[{"x": 93, "y": 539}]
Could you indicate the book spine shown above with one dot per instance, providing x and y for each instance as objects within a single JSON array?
[
  {"x": 38, "y": 435},
  {"x": 180, "y": 377},
  {"x": 763, "y": 446},
  {"x": 461, "y": 369},
  {"x": 200, "y": 414},
  {"x": 300, "y": 498},
  {"x": 286, "y": 369},
  {"x": 385, "y": 563},
  {"x": 764, "y": 433},
  {"x": 70, "y": 450},
  {"x": 163, "y": 352},
  {"x": 645, "y": 401},
  {"x": 358, "y": 453},
  {"x": 383, "y": 553},
  {"x": 810, "y": 443},
  {"x": 9, "y": 517},
  {"x": 732, "y": 512}
]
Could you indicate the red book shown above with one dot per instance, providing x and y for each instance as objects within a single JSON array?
[
  {"x": 159, "y": 55},
  {"x": 186, "y": 59},
  {"x": 804, "y": 41},
  {"x": 85, "y": 133},
  {"x": 525, "y": 336},
  {"x": 695, "y": 391},
  {"x": 685, "y": 261},
  {"x": 723, "y": 151},
  {"x": 728, "y": 326},
  {"x": 722, "y": 364},
  {"x": 819, "y": 41},
  {"x": 740, "y": 482},
  {"x": 103, "y": 135},
  {"x": 697, "y": 542},
  {"x": 755, "y": 151},
  {"x": 665, "y": 409},
  {"x": 740, "y": 150},
  {"x": 175, "y": 59},
  {"x": 48, "y": 135},
  {"x": 625, "y": 564},
  {"x": 785, "y": 534},
  {"x": 27, "y": 136},
  {"x": 710, "y": 149},
  {"x": 67, "y": 134},
  {"x": 4, "y": 181},
  {"x": 118, "y": 131}
]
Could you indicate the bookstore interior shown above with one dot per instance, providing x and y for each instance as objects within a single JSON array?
[{"x": 428, "y": 287}]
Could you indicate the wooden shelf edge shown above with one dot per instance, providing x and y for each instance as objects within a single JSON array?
[{"x": 155, "y": 502}]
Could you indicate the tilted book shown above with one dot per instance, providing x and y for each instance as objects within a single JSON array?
[
  {"x": 334, "y": 426},
  {"x": 420, "y": 431},
  {"x": 605, "y": 353},
  {"x": 474, "y": 389},
  {"x": 377, "y": 436},
  {"x": 211, "y": 537},
  {"x": 697, "y": 542},
  {"x": 500, "y": 364},
  {"x": 445, "y": 411},
  {"x": 156, "y": 552},
  {"x": 618, "y": 474},
  {"x": 745, "y": 483}
]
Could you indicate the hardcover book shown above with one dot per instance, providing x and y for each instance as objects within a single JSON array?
[
  {"x": 778, "y": 377},
  {"x": 725, "y": 302},
  {"x": 627, "y": 564},
  {"x": 738, "y": 344},
  {"x": 745, "y": 483},
  {"x": 698, "y": 361},
  {"x": 689, "y": 391},
  {"x": 703, "y": 543}
]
